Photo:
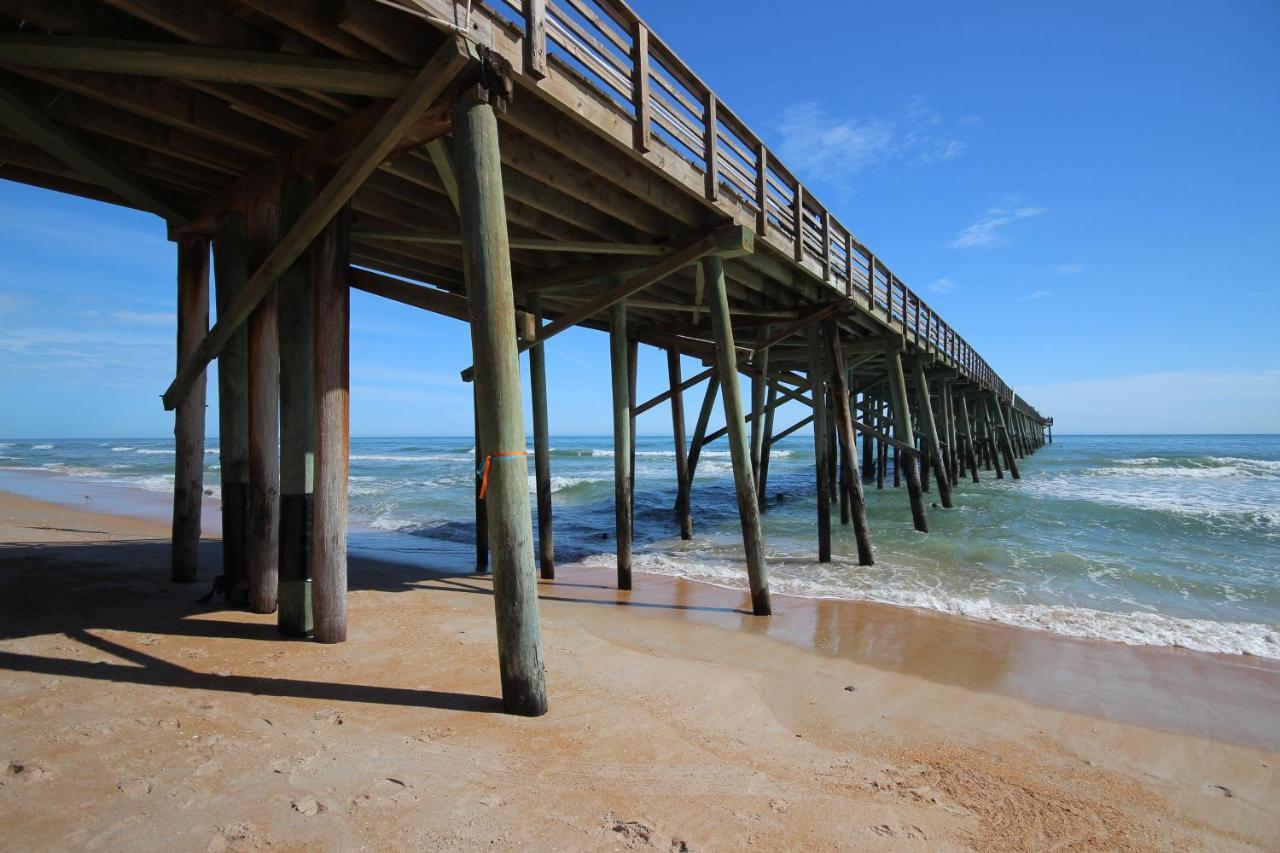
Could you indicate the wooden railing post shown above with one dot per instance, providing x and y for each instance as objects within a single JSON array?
[
  {"x": 535, "y": 38},
  {"x": 762, "y": 192},
  {"x": 640, "y": 85},
  {"x": 797, "y": 221},
  {"x": 711, "y": 142}
]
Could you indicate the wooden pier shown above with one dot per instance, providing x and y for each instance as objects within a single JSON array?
[{"x": 524, "y": 167}]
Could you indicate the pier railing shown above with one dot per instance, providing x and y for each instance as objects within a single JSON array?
[{"x": 606, "y": 45}]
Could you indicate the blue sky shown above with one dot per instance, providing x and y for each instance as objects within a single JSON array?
[{"x": 1089, "y": 192}]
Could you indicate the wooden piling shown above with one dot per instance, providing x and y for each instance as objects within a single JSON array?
[
  {"x": 683, "y": 512},
  {"x": 933, "y": 445},
  {"x": 759, "y": 382},
  {"x": 904, "y": 431},
  {"x": 263, "y": 549},
  {"x": 970, "y": 456},
  {"x": 818, "y": 390},
  {"x": 700, "y": 429},
  {"x": 1002, "y": 431},
  {"x": 231, "y": 264},
  {"x": 989, "y": 428},
  {"x": 331, "y": 326},
  {"x": 487, "y": 266},
  {"x": 188, "y": 425},
  {"x": 297, "y": 426},
  {"x": 868, "y": 463},
  {"x": 481, "y": 513},
  {"x": 541, "y": 449},
  {"x": 844, "y": 427},
  {"x": 739, "y": 448},
  {"x": 769, "y": 408},
  {"x": 621, "y": 373}
]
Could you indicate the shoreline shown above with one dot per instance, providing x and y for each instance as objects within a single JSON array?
[
  {"x": 675, "y": 716},
  {"x": 1137, "y": 629}
]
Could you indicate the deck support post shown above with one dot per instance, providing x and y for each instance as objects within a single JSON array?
[
  {"x": 618, "y": 364},
  {"x": 487, "y": 266},
  {"x": 739, "y": 449},
  {"x": 904, "y": 431},
  {"x": 297, "y": 425},
  {"x": 868, "y": 450},
  {"x": 993, "y": 451},
  {"x": 188, "y": 425},
  {"x": 700, "y": 429},
  {"x": 759, "y": 381},
  {"x": 331, "y": 326},
  {"x": 231, "y": 271},
  {"x": 851, "y": 479},
  {"x": 770, "y": 407},
  {"x": 678, "y": 438},
  {"x": 817, "y": 387},
  {"x": 264, "y": 423},
  {"x": 1002, "y": 430},
  {"x": 970, "y": 456},
  {"x": 934, "y": 445},
  {"x": 541, "y": 449},
  {"x": 482, "y": 514}
]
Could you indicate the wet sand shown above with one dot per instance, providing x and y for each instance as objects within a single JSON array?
[{"x": 133, "y": 717}]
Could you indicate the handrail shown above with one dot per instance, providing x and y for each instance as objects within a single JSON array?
[{"x": 605, "y": 43}]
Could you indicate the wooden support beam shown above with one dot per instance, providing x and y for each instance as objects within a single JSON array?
[
  {"x": 971, "y": 458},
  {"x": 297, "y": 426},
  {"x": 904, "y": 430},
  {"x": 443, "y": 161},
  {"x": 844, "y": 432},
  {"x": 697, "y": 441},
  {"x": 34, "y": 126},
  {"x": 762, "y": 487},
  {"x": 724, "y": 241},
  {"x": 739, "y": 450},
  {"x": 530, "y": 244},
  {"x": 188, "y": 427},
  {"x": 231, "y": 265},
  {"x": 670, "y": 393},
  {"x": 760, "y": 369},
  {"x": 431, "y": 81},
  {"x": 933, "y": 444},
  {"x": 264, "y": 421},
  {"x": 621, "y": 374},
  {"x": 1002, "y": 434},
  {"x": 211, "y": 64},
  {"x": 818, "y": 381},
  {"x": 429, "y": 299},
  {"x": 541, "y": 450},
  {"x": 784, "y": 397},
  {"x": 676, "y": 393},
  {"x": 331, "y": 312},
  {"x": 487, "y": 264},
  {"x": 798, "y": 425}
]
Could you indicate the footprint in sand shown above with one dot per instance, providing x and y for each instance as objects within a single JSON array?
[
  {"x": 1220, "y": 790},
  {"x": 308, "y": 806},
  {"x": 330, "y": 716},
  {"x": 135, "y": 788},
  {"x": 235, "y": 836}
]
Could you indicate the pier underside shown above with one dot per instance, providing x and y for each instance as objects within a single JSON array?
[{"x": 522, "y": 167}]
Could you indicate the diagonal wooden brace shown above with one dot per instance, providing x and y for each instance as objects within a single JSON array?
[{"x": 430, "y": 83}]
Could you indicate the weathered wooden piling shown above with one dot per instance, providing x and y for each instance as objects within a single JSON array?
[
  {"x": 231, "y": 263},
  {"x": 844, "y": 426},
  {"x": 817, "y": 384},
  {"x": 759, "y": 384},
  {"x": 904, "y": 430},
  {"x": 683, "y": 506},
  {"x": 1002, "y": 432},
  {"x": 770, "y": 407},
  {"x": 331, "y": 335},
  {"x": 188, "y": 425},
  {"x": 297, "y": 425},
  {"x": 621, "y": 373},
  {"x": 481, "y": 512},
  {"x": 739, "y": 449},
  {"x": 933, "y": 445},
  {"x": 541, "y": 449},
  {"x": 971, "y": 457},
  {"x": 487, "y": 264},
  {"x": 700, "y": 429},
  {"x": 263, "y": 548}
]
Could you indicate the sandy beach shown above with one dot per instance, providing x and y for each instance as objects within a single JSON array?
[{"x": 133, "y": 717}]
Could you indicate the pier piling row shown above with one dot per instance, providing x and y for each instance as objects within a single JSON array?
[{"x": 521, "y": 167}]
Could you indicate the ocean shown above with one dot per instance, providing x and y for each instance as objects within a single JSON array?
[{"x": 1166, "y": 540}]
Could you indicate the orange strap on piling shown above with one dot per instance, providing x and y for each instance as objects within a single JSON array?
[{"x": 484, "y": 472}]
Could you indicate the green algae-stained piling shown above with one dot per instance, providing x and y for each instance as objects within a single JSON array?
[{"x": 525, "y": 179}]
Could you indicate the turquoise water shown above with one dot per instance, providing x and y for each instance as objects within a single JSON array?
[{"x": 1171, "y": 540}]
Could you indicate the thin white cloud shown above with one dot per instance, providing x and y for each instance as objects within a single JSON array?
[
  {"x": 987, "y": 230},
  {"x": 817, "y": 141},
  {"x": 1034, "y": 295},
  {"x": 146, "y": 318},
  {"x": 1064, "y": 270},
  {"x": 942, "y": 285}
]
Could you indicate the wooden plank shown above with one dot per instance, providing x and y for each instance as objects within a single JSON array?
[
  {"x": 535, "y": 38},
  {"x": 197, "y": 62},
  {"x": 727, "y": 240},
  {"x": 593, "y": 247},
  {"x": 426, "y": 87},
  {"x": 429, "y": 299},
  {"x": 33, "y": 125}
]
